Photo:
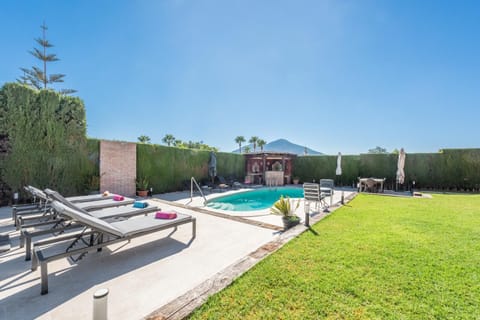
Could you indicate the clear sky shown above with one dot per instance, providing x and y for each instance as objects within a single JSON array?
[{"x": 334, "y": 75}]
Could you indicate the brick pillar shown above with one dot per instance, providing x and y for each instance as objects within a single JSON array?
[{"x": 118, "y": 167}]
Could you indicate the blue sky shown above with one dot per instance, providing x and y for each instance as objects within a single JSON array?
[{"x": 332, "y": 75}]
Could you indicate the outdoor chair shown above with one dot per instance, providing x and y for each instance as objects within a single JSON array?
[
  {"x": 97, "y": 234},
  {"x": 327, "y": 188},
  {"x": 58, "y": 224},
  {"x": 371, "y": 185},
  {"x": 312, "y": 193}
]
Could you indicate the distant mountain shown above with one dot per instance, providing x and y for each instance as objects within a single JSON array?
[{"x": 283, "y": 145}]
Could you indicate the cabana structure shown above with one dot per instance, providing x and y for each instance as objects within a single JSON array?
[{"x": 269, "y": 168}]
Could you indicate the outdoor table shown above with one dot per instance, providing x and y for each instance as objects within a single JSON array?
[{"x": 362, "y": 183}]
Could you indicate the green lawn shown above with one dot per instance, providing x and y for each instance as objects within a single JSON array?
[{"x": 377, "y": 258}]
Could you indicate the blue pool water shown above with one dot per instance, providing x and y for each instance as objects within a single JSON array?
[{"x": 253, "y": 200}]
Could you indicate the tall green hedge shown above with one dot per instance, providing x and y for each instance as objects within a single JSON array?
[
  {"x": 313, "y": 168},
  {"x": 46, "y": 138},
  {"x": 450, "y": 169},
  {"x": 168, "y": 168}
]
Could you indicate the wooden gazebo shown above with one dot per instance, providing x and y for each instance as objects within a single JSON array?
[{"x": 269, "y": 168}]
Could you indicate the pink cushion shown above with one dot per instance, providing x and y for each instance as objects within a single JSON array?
[
  {"x": 165, "y": 215},
  {"x": 118, "y": 198}
]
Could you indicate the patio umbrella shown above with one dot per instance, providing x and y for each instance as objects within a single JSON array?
[
  {"x": 338, "y": 171},
  {"x": 401, "y": 166},
  {"x": 212, "y": 166}
]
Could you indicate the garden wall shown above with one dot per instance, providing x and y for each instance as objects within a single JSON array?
[{"x": 118, "y": 167}]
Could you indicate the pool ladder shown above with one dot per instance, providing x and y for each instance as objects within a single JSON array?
[
  {"x": 271, "y": 184},
  {"x": 192, "y": 182}
]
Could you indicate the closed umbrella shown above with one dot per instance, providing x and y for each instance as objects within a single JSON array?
[
  {"x": 212, "y": 166},
  {"x": 401, "y": 166},
  {"x": 338, "y": 171}
]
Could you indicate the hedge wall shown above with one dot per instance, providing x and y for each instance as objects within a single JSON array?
[
  {"x": 45, "y": 137},
  {"x": 310, "y": 168},
  {"x": 450, "y": 169},
  {"x": 169, "y": 168}
]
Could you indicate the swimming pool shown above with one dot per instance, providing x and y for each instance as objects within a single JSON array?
[{"x": 253, "y": 200}]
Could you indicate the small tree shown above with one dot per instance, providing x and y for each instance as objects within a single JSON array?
[
  {"x": 377, "y": 150},
  {"x": 261, "y": 143},
  {"x": 38, "y": 77},
  {"x": 168, "y": 139},
  {"x": 246, "y": 149},
  {"x": 240, "y": 140},
  {"x": 144, "y": 139},
  {"x": 254, "y": 141}
]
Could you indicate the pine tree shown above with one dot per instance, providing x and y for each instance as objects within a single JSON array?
[{"x": 38, "y": 77}]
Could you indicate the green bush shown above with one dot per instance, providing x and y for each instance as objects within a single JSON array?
[
  {"x": 46, "y": 138},
  {"x": 314, "y": 168}
]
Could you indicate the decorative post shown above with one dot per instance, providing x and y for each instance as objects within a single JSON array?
[
  {"x": 306, "y": 208},
  {"x": 100, "y": 304}
]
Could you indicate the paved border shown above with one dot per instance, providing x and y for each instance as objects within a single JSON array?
[{"x": 184, "y": 305}]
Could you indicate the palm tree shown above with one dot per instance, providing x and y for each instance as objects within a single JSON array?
[
  {"x": 261, "y": 143},
  {"x": 254, "y": 140},
  {"x": 168, "y": 139},
  {"x": 144, "y": 139},
  {"x": 246, "y": 149},
  {"x": 239, "y": 140}
]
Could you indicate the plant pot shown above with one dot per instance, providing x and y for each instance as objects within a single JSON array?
[
  {"x": 142, "y": 193},
  {"x": 290, "y": 222},
  {"x": 296, "y": 181}
]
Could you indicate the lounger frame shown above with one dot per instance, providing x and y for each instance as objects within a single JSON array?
[{"x": 96, "y": 240}]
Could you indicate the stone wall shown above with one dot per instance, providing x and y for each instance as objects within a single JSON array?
[{"x": 118, "y": 167}]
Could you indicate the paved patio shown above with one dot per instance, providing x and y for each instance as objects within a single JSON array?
[{"x": 142, "y": 275}]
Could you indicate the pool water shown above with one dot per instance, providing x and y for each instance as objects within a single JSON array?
[{"x": 254, "y": 200}]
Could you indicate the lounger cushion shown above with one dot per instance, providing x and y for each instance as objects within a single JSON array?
[
  {"x": 87, "y": 206},
  {"x": 123, "y": 211},
  {"x": 86, "y": 219},
  {"x": 91, "y": 197},
  {"x": 58, "y": 197},
  {"x": 147, "y": 223}
]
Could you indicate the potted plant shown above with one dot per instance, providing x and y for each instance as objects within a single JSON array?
[
  {"x": 284, "y": 208},
  {"x": 296, "y": 180},
  {"x": 142, "y": 187}
]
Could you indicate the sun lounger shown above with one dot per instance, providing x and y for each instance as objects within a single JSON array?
[
  {"x": 60, "y": 224},
  {"x": 92, "y": 205},
  {"x": 49, "y": 194},
  {"x": 98, "y": 234},
  {"x": 38, "y": 205},
  {"x": 41, "y": 207}
]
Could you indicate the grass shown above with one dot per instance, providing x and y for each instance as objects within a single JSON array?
[{"x": 378, "y": 258}]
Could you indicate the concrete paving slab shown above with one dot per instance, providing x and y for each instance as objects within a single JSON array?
[
  {"x": 141, "y": 275},
  {"x": 144, "y": 274}
]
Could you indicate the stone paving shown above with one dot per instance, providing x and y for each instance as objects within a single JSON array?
[{"x": 145, "y": 276}]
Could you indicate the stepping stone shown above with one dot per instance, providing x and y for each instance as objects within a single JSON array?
[{"x": 4, "y": 242}]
